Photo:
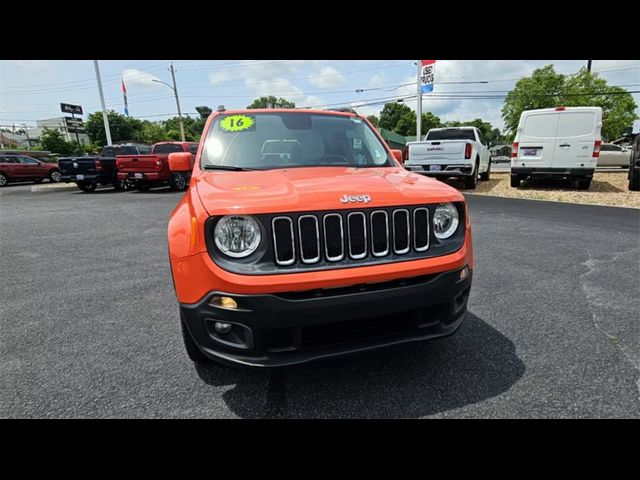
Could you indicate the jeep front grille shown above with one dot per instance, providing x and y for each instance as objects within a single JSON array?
[{"x": 349, "y": 235}]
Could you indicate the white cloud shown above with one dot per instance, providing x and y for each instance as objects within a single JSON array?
[
  {"x": 31, "y": 65},
  {"x": 133, "y": 76},
  {"x": 220, "y": 77},
  {"x": 327, "y": 77},
  {"x": 376, "y": 81}
]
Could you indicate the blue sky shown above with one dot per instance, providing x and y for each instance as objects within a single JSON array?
[{"x": 33, "y": 89}]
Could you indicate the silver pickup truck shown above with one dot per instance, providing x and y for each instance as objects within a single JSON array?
[{"x": 451, "y": 152}]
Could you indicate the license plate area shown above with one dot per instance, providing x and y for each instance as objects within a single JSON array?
[
  {"x": 435, "y": 168},
  {"x": 136, "y": 175},
  {"x": 531, "y": 151},
  {"x": 79, "y": 177}
]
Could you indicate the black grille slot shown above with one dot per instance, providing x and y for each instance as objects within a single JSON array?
[
  {"x": 357, "y": 235},
  {"x": 333, "y": 237},
  {"x": 283, "y": 240},
  {"x": 420, "y": 229},
  {"x": 401, "y": 231},
  {"x": 309, "y": 239},
  {"x": 379, "y": 233}
]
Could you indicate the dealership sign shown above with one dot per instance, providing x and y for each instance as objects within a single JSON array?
[
  {"x": 427, "y": 73},
  {"x": 73, "y": 109}
]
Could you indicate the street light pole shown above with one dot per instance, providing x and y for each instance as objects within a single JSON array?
[
  {"x": 105, "y": 118},
  {"x": 588, "y": 65},
  {"x": 175, "y": 92}
]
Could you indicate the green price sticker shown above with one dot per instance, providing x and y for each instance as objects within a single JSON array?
[{"x": 238, "y": 123}]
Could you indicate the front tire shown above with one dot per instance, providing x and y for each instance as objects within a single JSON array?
[
  {"x": 178, "y": 182},
  {"x": 515, "y": 181},
  {"x": 3, "y": 180},
  {"x": 193, "y": 351},
  {"x": 54, "y": 176},
  {"x": 87, "y": 187}
]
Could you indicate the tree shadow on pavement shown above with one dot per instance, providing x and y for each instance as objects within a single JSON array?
[{"x": 405, "y": 381}]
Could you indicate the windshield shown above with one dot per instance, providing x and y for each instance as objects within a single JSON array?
[
  {"x": 451, "y": 134},
  {"x": 292, "y": 139}
]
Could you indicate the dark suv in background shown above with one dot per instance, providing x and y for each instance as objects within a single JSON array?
[{"x": 21, "y": 168}]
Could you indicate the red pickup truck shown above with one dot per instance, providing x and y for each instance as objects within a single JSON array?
[{"x": 146, "y": 171}]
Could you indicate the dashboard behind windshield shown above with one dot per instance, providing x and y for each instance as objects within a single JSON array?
[{"x": 292, "y": 139}]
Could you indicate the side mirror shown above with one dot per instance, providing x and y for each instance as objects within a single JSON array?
[
  {"x": 180, "y": 162},
  {"x": 397, "y": 154}
]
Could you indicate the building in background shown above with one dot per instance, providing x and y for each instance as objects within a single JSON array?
[{"x": 65, "y": 126}]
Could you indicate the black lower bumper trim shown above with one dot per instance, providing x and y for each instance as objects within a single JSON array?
[
  {"x": 551, "y": 172},
  {"x": 297, "y": 327}
]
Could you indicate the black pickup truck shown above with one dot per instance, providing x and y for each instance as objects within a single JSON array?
[{"x": 90, "y": 171}]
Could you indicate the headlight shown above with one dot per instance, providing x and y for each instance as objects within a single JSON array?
[
  {"x": 445, "y": 220},
  {"x": 237, "y": 236}
]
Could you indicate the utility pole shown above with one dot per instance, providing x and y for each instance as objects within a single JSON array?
[
  {"x": 105, "y": 118},
  {"x": 419, "y": 103},
  {"x": 26, "y": 132},
  {"x": 175, "y": 91},
  {"x": 589, "y": 65}
]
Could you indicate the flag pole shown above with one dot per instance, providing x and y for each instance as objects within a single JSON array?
[{"x": 419, "y": 103}]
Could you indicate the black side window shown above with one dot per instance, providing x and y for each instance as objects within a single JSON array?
[
  {"x": 481, "y": 137},
  {"x": 107, "y": 152}
]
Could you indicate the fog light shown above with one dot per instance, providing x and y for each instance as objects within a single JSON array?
[
  {"x": 222, "y": 327},
  {"x": 223, "y": 302},
  {"x": 464, "y": 273}
]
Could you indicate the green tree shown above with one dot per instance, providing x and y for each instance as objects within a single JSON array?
[
  {"x": 537, "y": 91},
  {"x": 204, "y": 111},
  {"x": 618, "y": 110},
  {"x": 429, "y": 120},
  {"x": 122, "y": 128},
  {"x": 375, "y": 121},
  {"x": 392, "y": 113},
  {"x": 54, "y": 141},
  {"x": 153, "y": 132},
  {"x": 262, "y": 102},
  {"x": 192, "y": 128}
]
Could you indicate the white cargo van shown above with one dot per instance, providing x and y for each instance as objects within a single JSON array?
[{"x": 561, "y": 142}]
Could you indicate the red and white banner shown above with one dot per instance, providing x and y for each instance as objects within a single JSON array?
[{"x": 427, "y": 73}]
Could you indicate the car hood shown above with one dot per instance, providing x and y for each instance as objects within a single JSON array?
[{"x": 316, "y": 188}]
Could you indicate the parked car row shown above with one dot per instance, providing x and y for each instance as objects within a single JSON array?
[{"x": 130, "y": 165}]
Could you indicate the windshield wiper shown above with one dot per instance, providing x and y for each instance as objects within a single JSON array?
[{"x": 228, "y": 167}]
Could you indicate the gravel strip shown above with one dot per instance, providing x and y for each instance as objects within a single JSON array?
[{"x": 607, "y": 188}]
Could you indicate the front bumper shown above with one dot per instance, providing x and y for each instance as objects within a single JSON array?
[{"x": 295, "y": 327}]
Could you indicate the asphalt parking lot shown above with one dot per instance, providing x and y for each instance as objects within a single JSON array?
[{"x": 89, "y": 322}]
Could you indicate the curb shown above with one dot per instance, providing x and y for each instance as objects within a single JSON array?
[{"x": 54, "y": 187}]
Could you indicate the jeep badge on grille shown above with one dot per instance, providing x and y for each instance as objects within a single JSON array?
[{"x": 355, "y": 198}]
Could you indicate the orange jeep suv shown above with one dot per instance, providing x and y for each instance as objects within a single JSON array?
[{"x": 303, "y": 237}]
